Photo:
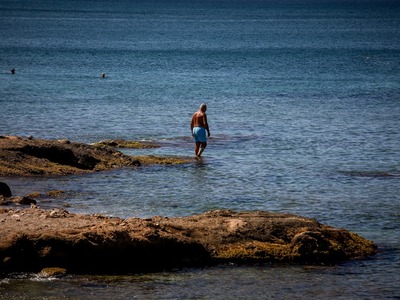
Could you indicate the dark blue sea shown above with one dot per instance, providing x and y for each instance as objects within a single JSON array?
[{"x": 304, "y": 110}]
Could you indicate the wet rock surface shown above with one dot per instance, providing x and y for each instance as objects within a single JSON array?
[
  {"x": 34, "y": 239},
  {"x": 127, "y": 144},
  {"x": 59, "y": 242},
  {"x": 29, "y": 157}
]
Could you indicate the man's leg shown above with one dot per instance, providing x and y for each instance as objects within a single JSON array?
[
  {"x": 196, "y": 148},
  {"x": 202, "y": 147}
]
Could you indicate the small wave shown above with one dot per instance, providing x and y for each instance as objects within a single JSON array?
[{"x": 371, "y": 174}]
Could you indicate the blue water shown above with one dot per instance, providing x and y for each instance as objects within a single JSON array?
[{"x": 304, "y": 110}]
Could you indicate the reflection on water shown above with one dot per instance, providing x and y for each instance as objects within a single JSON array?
[{"x": 221, "y": 282}]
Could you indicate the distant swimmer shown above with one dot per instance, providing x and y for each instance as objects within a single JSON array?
[
  {"x": 12, "y": 71},
  {"x": 199, "y": 126},
  {"x": 103, "y": 75}
]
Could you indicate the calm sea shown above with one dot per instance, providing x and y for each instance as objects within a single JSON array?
[{"x": 304, "y": 110}]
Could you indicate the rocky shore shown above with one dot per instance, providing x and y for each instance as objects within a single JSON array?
[
  {"x": 34, "y": 239},
  {"x": 21, "y": 156}
]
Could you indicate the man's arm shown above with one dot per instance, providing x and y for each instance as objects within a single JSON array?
[
  {"x": 206, "y": 125},
  {"x": 192, "y": 124}
]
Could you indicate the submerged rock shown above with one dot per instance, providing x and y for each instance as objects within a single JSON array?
[
  {"x": 6, "y": 197},
  {"x": 22, "y": 200},
  {"x": 33, "y": 239},
  {"x": 127, "y": 144}
]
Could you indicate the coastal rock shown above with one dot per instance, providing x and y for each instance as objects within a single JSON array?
[
  {"x": 127, "y": 144},
  {"x": 3, "y": 200},
  {"x": 22, "y": 200},
  {"x": 52, "y": 272},
  {"x": 5, "y": 190},
  {"x": 6, "y": 197},
  {"x": 29, "y": 156},
  {"x": 33, "y": 239}
]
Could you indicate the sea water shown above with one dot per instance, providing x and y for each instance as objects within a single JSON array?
[{"x": 304, "y": 109}]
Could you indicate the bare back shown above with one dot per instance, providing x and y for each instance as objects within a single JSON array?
[{"x": 199, "y": 119}]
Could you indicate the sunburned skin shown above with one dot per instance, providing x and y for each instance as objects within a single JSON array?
[{"x": 199, "y": 119}]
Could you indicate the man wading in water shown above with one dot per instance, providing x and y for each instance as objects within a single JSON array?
[{"x": 199, "y": 126}]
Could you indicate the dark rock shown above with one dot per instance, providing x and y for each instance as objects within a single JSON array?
[
  {"x": 5, "y": 190},
  {"x": 22, "y": 200}
]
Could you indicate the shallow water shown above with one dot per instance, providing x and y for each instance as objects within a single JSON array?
[{"x": 304, "y": 113}]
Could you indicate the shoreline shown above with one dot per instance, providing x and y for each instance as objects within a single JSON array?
[
  {"x": 21, "y": 156},
  {"x": 35, "y": 239}
]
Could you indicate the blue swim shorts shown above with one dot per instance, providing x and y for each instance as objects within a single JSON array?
[{"x": 199, "y": 134}]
